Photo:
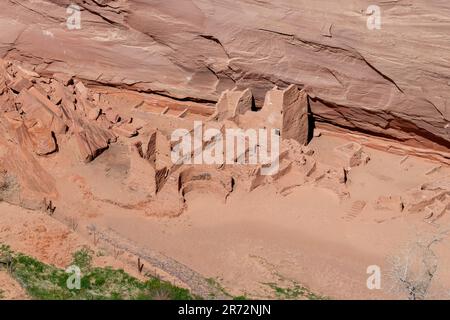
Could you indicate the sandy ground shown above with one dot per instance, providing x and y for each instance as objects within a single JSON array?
[
  {"x": 309, "y": 236},
  {"x": 96, "y": 168},
  {"x": 39, "y": 235},
  {"x": 10, "y": 289}
]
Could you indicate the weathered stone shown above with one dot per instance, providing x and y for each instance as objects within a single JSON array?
[
  {"x": 361, "y": 81},
  {"x": 25, "y": 181},
  {"x": 352, "y": 154},
  {"x": 19, "y": 84},
  {"x": 441, "y": 184},
  {"x": 64, "y": 78},
  {"x": 37, "y": 110},
  {"x": 112, "y": 116},
  {"x": 150, "y": 151},
  {"x": 317, "y": 133},
  {"x": 391, "y": 203},
  {"x": 29, "y": 74},
  {"x": 307, "y": 151},
  {"x": 81, "y": 90},
  {"x": 40, "y": 140},
  {"x": 204, "y": 180},
  {"x": 295, "y": 115},
  {"x": 126, "y": 130},
  {"x": 288, "y": 110},
  {"x": 343, "y": 176},
  {"x": 90, "y": 138},
  {"x": 45, "y": 101},
  {"x": 233, "y": 103},
  {"x": 94, "y": 113}
]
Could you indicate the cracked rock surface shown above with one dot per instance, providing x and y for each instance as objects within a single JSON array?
[{"x": 391, "y": 82}]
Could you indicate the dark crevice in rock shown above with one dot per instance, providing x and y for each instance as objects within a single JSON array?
[
  {"x": 214, "y": 39},
  {"x": 416, "y": 134}
]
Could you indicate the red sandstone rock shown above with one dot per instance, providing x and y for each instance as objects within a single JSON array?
[
  {"x": 126, "y": 130},
  {"x": 91, "y": 140},
  {"x": 81, "y": 90},
  {"x": 63, "y": 78},
  {"x": 94, "y": 113},
  {"x": 352, "y": 154},
  {"x": 389, "y": 82},
  {"x": 392, "y": 203},
  {"x": 233, "y": 103},
  {"x": 204, "y": 180},
  {"x": 20, "y": 84},
  {"x": 25, "y": 182},
  {"x": 112, "y": 116},
  {"x": 287, "y": 110},
  {"x": 40, "y": 140},
  {"x": 41, "y": 111}
]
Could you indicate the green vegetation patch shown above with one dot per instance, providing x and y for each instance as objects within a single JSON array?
[
  {"x": 294, "y": 292},
  {"x": 214, "y": 283},
  {"x": 42, "y": 281}
]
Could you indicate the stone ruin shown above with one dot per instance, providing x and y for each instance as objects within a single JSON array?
[
  {"x": 43, "y": 116},
  {"x": 46, "y": 114}
]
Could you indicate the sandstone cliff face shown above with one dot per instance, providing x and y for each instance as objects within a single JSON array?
[{"x": 392, "y": 82}]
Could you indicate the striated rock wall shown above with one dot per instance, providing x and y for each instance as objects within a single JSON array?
[{"x": 392, "y": 82}]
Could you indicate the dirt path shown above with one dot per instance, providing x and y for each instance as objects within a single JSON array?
[{"x": 197, "y": 283}]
